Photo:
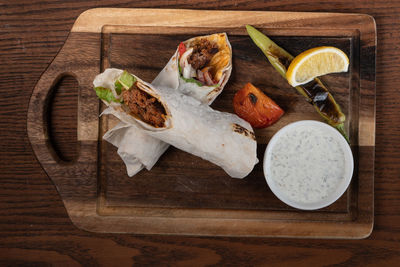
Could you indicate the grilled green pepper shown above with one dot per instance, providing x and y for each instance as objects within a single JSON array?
[{"x": 315, "y": 91}]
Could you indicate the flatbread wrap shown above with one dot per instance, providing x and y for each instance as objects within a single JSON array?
[
  {"x": 180, "y": 120},
  {"x": 216, "y": 63},
  {"x": 200, "y": 67}
]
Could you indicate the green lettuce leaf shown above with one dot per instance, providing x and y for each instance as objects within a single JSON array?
[
  {"x": 105, "y": 94},
  {"x": 126, "y": 80},
  {"x": 192, "y": 80},
  {"x": 118, "y": 87}
]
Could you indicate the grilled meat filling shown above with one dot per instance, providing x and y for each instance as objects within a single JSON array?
[
  {"x": 145, "y": 106},
  {"x": 202, "y": 53}
]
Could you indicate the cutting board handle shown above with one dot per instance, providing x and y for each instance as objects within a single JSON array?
[
  {"x": 38, "y": 125},
  {"x": 81, "y": 62}
]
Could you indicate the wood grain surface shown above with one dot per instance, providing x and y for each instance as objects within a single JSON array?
[
  {"x": 183, "y": 194},
  {"x": 34, "y": 226}
]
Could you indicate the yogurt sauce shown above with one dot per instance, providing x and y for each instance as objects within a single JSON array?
[{"x": 307, "y": 164}]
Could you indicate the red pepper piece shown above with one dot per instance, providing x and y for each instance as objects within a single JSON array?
[
  {"x": 181, "y": 49},
  {"x": 252, "y": 105}
]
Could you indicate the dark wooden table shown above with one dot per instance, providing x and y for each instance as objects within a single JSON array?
[{"x": 34, "y": 226}]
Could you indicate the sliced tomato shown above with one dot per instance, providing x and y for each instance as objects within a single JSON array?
[
  {"x": 252, "y": 105},
  {"x": 181, "y": 49}
]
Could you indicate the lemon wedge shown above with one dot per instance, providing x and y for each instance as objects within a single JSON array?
[{"x": 316, "y": 62}]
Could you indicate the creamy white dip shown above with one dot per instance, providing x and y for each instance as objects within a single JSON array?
[{"x": 307, "y": 164}]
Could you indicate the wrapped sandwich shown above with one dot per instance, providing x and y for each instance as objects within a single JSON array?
[
  {"x": 166, "y": 114},
  {"x": 200, "y": 67}
]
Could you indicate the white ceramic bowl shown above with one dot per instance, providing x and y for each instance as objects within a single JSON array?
[{"x": 341, "y": 186}]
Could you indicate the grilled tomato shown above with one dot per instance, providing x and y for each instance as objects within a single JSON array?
[{"x": 252, "y": 105}]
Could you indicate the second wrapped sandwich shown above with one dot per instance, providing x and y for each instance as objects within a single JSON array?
[{"x": 200, "y": 67}]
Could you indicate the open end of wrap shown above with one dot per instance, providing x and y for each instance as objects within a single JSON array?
[
  {"x": 131, "y": 100},
  {"x": 205, "y": 59},
  {"x": 145, "y": 105}
]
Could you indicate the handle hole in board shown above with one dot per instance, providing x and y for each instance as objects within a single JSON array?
[{"x": 62, "y": 118}]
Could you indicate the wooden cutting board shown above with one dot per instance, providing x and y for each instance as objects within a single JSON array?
[{"x": 183, "y": 194}]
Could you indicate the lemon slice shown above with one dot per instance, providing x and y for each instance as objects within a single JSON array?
[{"x": 316, "y": 62}]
